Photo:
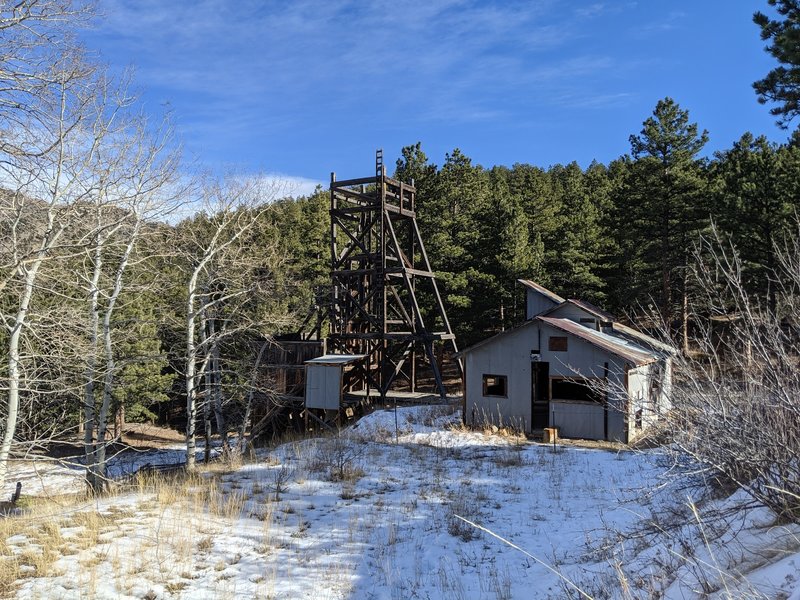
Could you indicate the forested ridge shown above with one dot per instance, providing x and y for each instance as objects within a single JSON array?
[{"x": 620, "y": 235}]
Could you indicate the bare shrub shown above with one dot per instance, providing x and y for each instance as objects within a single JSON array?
[
  {"x": 340, "y": 458},
  {"x": 733, "y": 424},
  {"x": 435, "y": 414},
  {"x": 463, "y": 506},
  {"x": 280, "y": 479},
  {"x": 735, "y": 418},
  {"x": 511, "y": 456}
]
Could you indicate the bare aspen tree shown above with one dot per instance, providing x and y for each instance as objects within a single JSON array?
[
  {"x": 220, "y": 275},
  {"x": 44, "y": 102},
  {"x": 136, "y": 186},
  {"x": 251, "y": 391},
  {"x": 106, "y": 224}
]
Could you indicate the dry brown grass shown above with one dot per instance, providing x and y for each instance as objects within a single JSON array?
[
  {"x": 205, "y": 544},
  {"x": 38, "y": 539},
  {"x": 163, "y": 529},
  {"x": 9, "y": 575},
  {"x": 48, "y": 529}
]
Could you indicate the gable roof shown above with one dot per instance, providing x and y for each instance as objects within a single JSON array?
[
  {"x": 618, "y": 346},
  {"x": 615, "y": 345},
  {"x": 583, "y": 305},
  {"x": 494, "y": 337},
  {"x": 542, "y": 290}
]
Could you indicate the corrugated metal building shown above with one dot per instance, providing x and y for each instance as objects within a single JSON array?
[{"x": 570, "y": 366}]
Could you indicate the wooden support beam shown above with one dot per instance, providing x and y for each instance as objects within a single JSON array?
[
  {"x": 308, "y": 413},
  {"x": 350, "y": 182}
]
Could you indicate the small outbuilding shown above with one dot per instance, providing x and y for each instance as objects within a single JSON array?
[
  {"x": 326, "y": 380},
  {"x": 571, "y": 366}
]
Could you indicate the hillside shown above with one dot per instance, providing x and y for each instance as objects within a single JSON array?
[{"x": 363, "y": 517}]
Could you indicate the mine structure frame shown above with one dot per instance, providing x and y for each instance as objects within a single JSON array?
[{"x": 378, "y": 266}]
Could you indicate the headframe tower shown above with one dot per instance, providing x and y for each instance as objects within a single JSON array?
[{"x": 379, "y": 268}]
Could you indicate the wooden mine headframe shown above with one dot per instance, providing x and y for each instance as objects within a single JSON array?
[{"x": 378, "y": 266}]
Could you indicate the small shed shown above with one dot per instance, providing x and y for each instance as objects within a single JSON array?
[{"x": 325, "y": 377}]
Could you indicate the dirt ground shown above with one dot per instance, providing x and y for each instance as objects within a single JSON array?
[{"x": 143, "y": 435}]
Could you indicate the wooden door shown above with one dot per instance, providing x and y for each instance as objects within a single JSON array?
[{"x": 540, "y": 395}]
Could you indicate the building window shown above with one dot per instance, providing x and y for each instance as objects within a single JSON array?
[
  {"x": 557, "y": 343},
  {"x": 583, "y": 390},
  {"x": 495, "y": 385}
]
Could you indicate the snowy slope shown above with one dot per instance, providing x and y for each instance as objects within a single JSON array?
[{"x": 364, "y": 517}]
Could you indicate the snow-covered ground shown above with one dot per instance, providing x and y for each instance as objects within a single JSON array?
[
  {"x": 42, "y": 478},
  {"x": 364, "y": 516}
]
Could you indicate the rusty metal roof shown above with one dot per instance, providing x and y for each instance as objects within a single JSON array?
[
  {"x": 595, "y": 310},
  {"x": 586, "y": 306},
  {"x": 618, "y": 346},
  {"x": 543, "y": 291},
  {"x": 644, "y": 338}
]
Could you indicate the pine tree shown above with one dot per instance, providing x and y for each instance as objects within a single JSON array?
[
  {"x": 782, "y": 84},
  {"x": 143, "y": 378},
  {"x": 628, "y": 285},
  {"x": 533, "y": 191},
  {"x": 758, "y": 183},
  {"x": 447, "y": 204},
  {"x": 576, "y": 255},
  {"x": 665, "y": 186},
  {"x": 414, "y": 168},
  {"x": 503, "y": 253}
]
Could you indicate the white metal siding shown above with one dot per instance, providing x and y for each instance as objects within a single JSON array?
[
  {"x": 573, "y": 313},
  {"x": 323, "y": 386},
  {"x": 509, "y": 355},
  {"x": 578, "y": 419},
  {"x": 639, "y": 385},
  {"x": 537, "y": 303},
  {"x": 665, "y": 401},
  {"x": 617, "y": 403}
]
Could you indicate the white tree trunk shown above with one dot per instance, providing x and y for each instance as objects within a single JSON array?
[
  {"x": 242, "y": 441},
  {"x": 191, "y": 359},
  {"x": 12, "y": 407},
  {"x": 14, "y": 375},
  {"x": 90, "y": 429},
  {"x": 216, "y": 392},
  {"x": 206, "y": 391},
  {"x": 49, "y": 238},
  {"x": 108, "y": 379}
]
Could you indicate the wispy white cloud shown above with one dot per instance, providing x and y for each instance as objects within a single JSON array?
[
  {"x": 292, "y": 185},
  {"x": 591, "y": 11},
  {"x": 235, "y": 70},
  {"x": 253, "y": 52},
  {"x": 669, "y": 22},
  {"x": 596, "y": 101}
]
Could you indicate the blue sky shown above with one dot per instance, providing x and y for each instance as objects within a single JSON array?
[{"x": 302, "y": 88}]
